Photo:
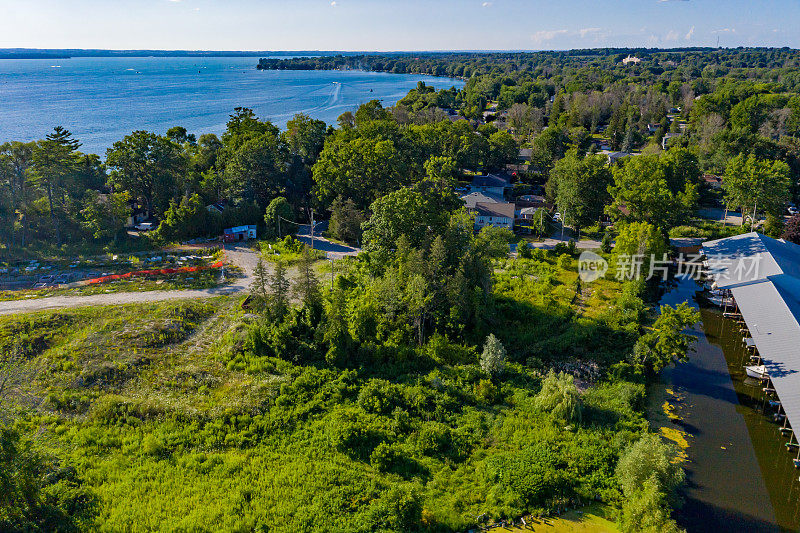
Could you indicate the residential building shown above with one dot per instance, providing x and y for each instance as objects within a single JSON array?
[
  {"x": 491, "y": 183},
  {"x": 474, "y": 198},
  {"x": 499, "y": 215}
]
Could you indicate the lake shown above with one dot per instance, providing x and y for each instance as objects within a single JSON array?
[{"x": 100, "y": 100}]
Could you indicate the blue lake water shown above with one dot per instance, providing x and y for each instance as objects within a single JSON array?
[{"x": 100, "y": 100}]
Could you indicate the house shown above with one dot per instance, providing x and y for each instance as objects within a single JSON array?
[
  {"x": 652, "y": 128},
  {"x": 472, "y": 199},
  {"x": 613, "y": 157},
  {"x": 711, "y": 181},
  {"x": 139, "y": 214},
  {"x": 490, "y": 183},
  {"x": 524, "y": 217},
  {"x": 239, "y": 233},
  {"x": 525, "y": 154},
  {"x": 526, "y": 213},
  {"x": 531, "y": 200},
  {"x": 631, "y": 59},
  {"x": 499, "y": 215}
]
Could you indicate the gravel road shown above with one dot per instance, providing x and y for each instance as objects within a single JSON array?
[{"x": 241, "y": 256}]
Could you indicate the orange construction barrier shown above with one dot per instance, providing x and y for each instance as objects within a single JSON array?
[{"x": 157, "y": 272}]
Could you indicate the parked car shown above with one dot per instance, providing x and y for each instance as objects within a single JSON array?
[
  {"x": 144, "y": 226},
  {"x": 557, "y": 216},
  {"x": 792, "y": 210}
]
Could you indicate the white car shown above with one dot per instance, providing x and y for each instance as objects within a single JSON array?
[
  {"x": 792, "y": 210},
  {"x": 557, "y": 216},
  {"x": 144, "y": 226}
]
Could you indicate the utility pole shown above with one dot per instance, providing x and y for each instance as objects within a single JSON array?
[
  {"x": 312, "y": 228},
  {"x": 331, "y": 272}
]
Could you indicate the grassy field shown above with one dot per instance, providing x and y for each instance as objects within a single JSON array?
[
  {"x": 590, "y": 519},
  {"x": 173, "y": 421}
]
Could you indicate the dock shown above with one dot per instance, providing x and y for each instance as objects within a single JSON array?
[{"x": 762, "y": 276}]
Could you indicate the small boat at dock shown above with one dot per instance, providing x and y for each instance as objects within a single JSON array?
[{"x": 757, "y": 371}]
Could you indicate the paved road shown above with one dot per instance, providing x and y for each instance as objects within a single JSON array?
[
  {"x": 241, "y": 256},
  {"x": 334, "y": 250}
]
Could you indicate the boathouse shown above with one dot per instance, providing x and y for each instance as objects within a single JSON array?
[{"x": 762, "y": 277}]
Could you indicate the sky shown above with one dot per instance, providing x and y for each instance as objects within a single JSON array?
[{"x": 386, "y": 25}]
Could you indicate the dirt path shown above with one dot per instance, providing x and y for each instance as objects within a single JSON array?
[{"x": 239, "y": 255}]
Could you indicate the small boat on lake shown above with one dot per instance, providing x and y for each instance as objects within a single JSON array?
[
  {"x": 714, "y": 298},
  {"x": 757, "y": 371}
]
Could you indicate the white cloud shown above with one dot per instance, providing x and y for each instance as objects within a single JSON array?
[
  {"x": 690, "y": 33},
  {"x": 547, "y": 35},
  {"x": 672, "y": 35},
  {"x": 334, "y": 4},
  {"x": 487, "y": 4},
  {"x": 583, "y": 32},
  {"x": 725, "y": 30}
]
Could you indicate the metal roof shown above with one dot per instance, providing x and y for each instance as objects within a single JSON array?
[{"x": 769, "y": 300}]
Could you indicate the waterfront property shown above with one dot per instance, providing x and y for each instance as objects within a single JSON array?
[{"x": 761, "y": 277}]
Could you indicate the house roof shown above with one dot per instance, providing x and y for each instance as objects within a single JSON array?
[
  {"x": 769, "y": 299},
  {"x": 528, "y": 210},
  {"x": 494, "y": 209},
  {"x": 613, "y": 156},
  {"x": 525, "y": 153},
  {"x": 751, "y": 257},
  {"x": 490, "y": 180},
  {"x": 481, "y": 197}
]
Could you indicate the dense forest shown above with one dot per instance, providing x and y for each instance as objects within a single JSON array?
[{"x": 439, "y": 383}]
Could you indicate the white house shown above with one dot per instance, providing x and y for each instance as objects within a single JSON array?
[
  {"x": 631, "y": 59},
  {"x": 499, "y": 215}
]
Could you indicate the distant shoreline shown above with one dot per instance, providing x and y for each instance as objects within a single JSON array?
[{"x": 70, "y": 53}]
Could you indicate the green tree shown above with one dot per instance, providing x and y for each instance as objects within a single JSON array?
[
  {"x": 362, "y": 169},
  {"x": 441, "y": 170},
  {"x": 581, "y": 188},
  {"x": 261, "y": 282},
  {"x": 642, "y": 192},
  {"x": 560, "y": 397},
  {"x": 418, "y": 213},
  {"x": 104, "y": 217},
  {"x": 666, "y": 342},
  {"x": 55, "y": 162},
  {"x": 649, "y": 459},
  {"x": 183, "y": 220},
  {"x": 346, "y": 219},
  {"x": 279, "y": 291},
  {"x": 279, "y": 219},
  {"x": 753, "y": 184},
  {"x": 637, "y": 244},
  {"x": 503, "y": 149},
  {"x": 493, "y": 357},
  {"x": 256, "y": 170},
  {"x": 306, "y": 285},
  {"x": 148, "y": 167}
]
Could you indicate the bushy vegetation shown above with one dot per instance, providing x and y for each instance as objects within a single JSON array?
[{"x": 376, "y": 405}]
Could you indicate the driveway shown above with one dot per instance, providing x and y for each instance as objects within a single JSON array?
[
  {"x": 242, "y": 256},
  {"x": 717, "y": 213}
]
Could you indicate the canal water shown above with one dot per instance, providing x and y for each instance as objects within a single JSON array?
[{"x": 740, "y": 477}]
